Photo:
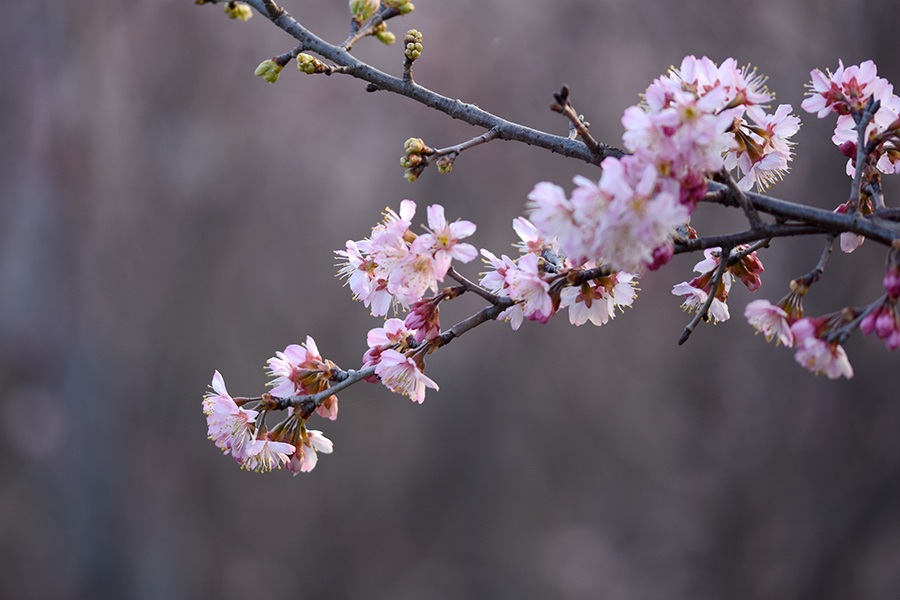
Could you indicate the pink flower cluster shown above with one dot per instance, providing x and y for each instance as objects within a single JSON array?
[
  {"x": 815, "y": 349},
  {"x": 241, "y": 433},
  {"x": 701, "y": 112},
  {"x": 395, "y": 266},
  {"x": 697, "y": 290},
  {"x": 399, "y": 366},
  {"x": 538, "y": 280},
  {"x": 695, "y": 121},
  {"x": 846, "y": 92}
]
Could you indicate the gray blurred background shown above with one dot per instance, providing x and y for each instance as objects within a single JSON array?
[{"x": 164, "y": 213}]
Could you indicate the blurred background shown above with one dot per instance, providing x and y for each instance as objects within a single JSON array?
[{"x": 164, "y": 213}]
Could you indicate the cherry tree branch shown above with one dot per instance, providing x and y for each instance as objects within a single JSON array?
[{"x": 378, "y": 80}]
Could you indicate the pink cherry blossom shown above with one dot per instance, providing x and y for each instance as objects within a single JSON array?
[
  {"x": 844, "y": 90},
  {"x": 770, "y": 320},
  {"x": 306, "y": 452},
  {"x": 816, "y": 354},
  {"x": 596, "y": 300},
  {"x": 401, "y": 374},
  {"x": 264, "y": 455},
  {"x": 642, "y": 216},
  {"x": 695, "y": 298},
  {"x": 295, "y": 369},
  {"x": 443, "y": 240},
  {"x": 393, "y": 332},
  {"x": 229, "y": 426},
  {"x": 528, "y": 287}
]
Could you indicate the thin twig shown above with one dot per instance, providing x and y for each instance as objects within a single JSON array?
[
  {"x": 714, "y": 287},
  {"x": 576, "y": 123},
  {"x": 816, "y": 274},
  {"x": 370, "y": 27},
  {"x": 862, "y": 150},
  {"x": 507, "y": 130}
]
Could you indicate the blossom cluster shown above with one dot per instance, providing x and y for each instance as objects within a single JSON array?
[
  {"x": 694, "y": 121},
  {"x": 242, "y": 432},
  {"x": 847, "y": 92},
  {"x": 817, "y": 340},
  {"x": 394, "y": 266}
]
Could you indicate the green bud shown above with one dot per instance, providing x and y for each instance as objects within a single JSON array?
[
  {"x": 415, "y": 146},
  {"x": 272, "y": 75},
  {"x": 386, "y": 37},
  {"x": 268, "y": 70},
  {"x": 238, "y": 10},
  {"x": 410, "y": 161},
  {"x": 444, "y": 164},
  {"x": 413, "y": 51},
  {"x": 309, "y": 64},
  {"x": 363, "y": 9},
  {"x": 411, "y": 175},
  {"x": 406, "y": 8}
]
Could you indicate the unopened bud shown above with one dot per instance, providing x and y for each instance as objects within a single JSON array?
[
  {"x": 396, "y": 4},
  {"x": 363, "y": 9},
  {"x": 413, "y": 43},
  {"x": 416, "y": 146},
  {"x": 309, "y": 64},
  {"x": 268, "y": 70},
  {"x": 892, "y": 282},
  {"x": 236, "y": 10},
  {"x": 411, "y": 160},
  {"x": 385, "y": 37},
  {"x": 444, "y": 164}
]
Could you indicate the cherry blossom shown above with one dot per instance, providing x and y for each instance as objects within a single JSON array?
[
  {"x": 528, "y": 287},
  {"x": 264, "y": 455},
  {"x": 443, "y": 240},
  {"x": 229, "y": 426},
  {"x": 816, "y": 354},
  {"x": 596, "y": 300},
  {"x": 770, "y": 320},
  {"x": 296, "y": 370},
  {"x": 402, "y": 374},
  {"x": 305, "y": 456}
]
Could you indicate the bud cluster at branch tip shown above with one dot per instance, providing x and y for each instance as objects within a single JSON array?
[
  {"x": 310, "y": 64},
  {"x": 415, "y": 159},
  {"x": 413, "y": 44}
]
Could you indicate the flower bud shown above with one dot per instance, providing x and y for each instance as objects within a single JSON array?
[
  {"x": 363, "y": 9},
  {"x": 416, "y": 146},
  {"x": 444, "y": 164},
  {"x": 385, "y": 37},
  {"x": 269, "y": 70},
  {"x": 892, "y": 282},
  {"x": 410, "y": 160},
  {"x": 413, "y": 43},
  {"x": 309, "y": 64},
  {"x": 237, "y": 10},
  {"x": 401, "y": 6}
]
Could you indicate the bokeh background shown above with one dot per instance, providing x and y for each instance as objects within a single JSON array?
[{"x": 164, "y": 213}]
